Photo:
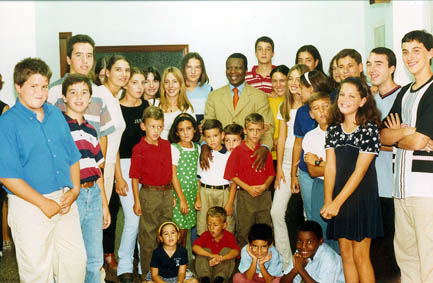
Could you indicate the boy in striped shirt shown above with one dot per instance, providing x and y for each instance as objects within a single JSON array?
[{"x": 92, "y": 202}]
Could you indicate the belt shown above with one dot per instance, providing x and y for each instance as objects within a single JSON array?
[
  {"x": 87, "y": 185},
  {"x": 222, "y": 187},
  {"x": 156, "y": 188}
]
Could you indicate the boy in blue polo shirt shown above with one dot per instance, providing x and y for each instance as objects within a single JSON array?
[
  {"x": 40, "y": 170},
  {"x": 92, "y": 201}
]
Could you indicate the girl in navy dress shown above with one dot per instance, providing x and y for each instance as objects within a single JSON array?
[{"x": 351, "y": 191}]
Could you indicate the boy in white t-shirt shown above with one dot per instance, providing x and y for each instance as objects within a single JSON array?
[
  {"x": 313, "y": 145},
  {"x": 214, "y": 190}
]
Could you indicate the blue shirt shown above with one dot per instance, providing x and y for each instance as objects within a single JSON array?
[
  {"x": 198, "y": 98},
  {"x": 384, "y": 160},
  {"x": 326, "y": 266},
  {"x": 274, "y": 266},
  {"x": 303, "y": 124},
  {"x": 239, "y": 87},
  {"x": 40, "y": 153}
]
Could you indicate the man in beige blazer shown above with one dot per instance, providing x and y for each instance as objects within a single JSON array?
[{"x": 219, "y": 105}]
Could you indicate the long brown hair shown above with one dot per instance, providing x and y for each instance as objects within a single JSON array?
[
  {"x": 289, "y": 98},
  {"x": 368, "y": 112}
]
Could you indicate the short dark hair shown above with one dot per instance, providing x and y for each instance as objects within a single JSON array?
[
  {"x": 79, "y": 38},
  {"x": 194, "y": 55},
  {"x": 28, "y": 67},
  {"x": 368, "y": 112},
  {"x": 355, "y": 55},
  {"x": 311, "y": 226},
  {"x": 234, "y": 129},
  {"x": 264, "y": 39},
  {"x": 172, "y": 135},
  {"x": 318, "y": 80},
  {"x": 262, "y": 232},
  {"x": 254, "y": 118},
  {"x": 421, "y": 36},
  {"x": 152, "y": 112},
  {"x": 217, "y": 211},
  {"x": 314, "y": 52},
  {"x": 210, "y": 124},
  {"x": 390, "y": 56},
  {"x": 74, "y": 79},
  {"x": 239, "y": 56},
  {"x": 352, "y": 53},
  {"x": 283, "y": 69}
]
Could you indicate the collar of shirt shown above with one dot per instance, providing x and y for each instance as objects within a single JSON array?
[
  {"x": 84, "y": 123},
  {"x": 245, "y": 147},
  {"x": 240, "y": 88},
  {"x": 389, "y": 92},
  {"x": 29, "y": 113}
]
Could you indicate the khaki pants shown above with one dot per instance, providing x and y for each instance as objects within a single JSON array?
[
  {"x": 251, "y": 211},
  {"x": 47, "y": 248},
  {"x": 224, "y": 269},
  {"x": 210, "y": 198},
  {"x": 413, "y": 240},
  {"x": 156, "y": 208}
]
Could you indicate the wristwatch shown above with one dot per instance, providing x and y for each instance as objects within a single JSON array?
[{"x": 317, "y": 162}]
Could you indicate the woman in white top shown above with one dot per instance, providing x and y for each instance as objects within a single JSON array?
[
  {"x": 117, "y": 76},
  {"x": 151, "y": 85},
  {"x": 173, "y": 100},
  {"x": 286, "y": 115}
]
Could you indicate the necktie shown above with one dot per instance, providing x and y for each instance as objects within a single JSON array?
[{"x": 235, "y": 97}]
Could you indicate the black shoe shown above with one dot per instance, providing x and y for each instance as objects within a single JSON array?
[
  {"x": 218, "y": 279},
  {"x": 126, "y": 278},
  {"x": 205, "y": 280}
]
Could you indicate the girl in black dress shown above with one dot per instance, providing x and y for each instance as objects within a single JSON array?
[{"x": 351, "y": 191}]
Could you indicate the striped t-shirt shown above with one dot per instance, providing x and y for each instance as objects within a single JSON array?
[
  {"x": 257, "y": 81},
  {"x": 413, "y": 169},
  {"x": 86, "y": 140}
]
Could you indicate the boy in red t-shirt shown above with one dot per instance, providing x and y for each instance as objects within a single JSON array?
[
  {"x": 253, "y": 199},
  {"x": 151, "y": 167},
  {"x": 216, "y": 249}
]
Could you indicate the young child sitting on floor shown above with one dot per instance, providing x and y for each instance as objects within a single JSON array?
[
  {"x": 216, "y": 249},
  {"x": 169, "y": 260},
  {"x": 260, "y": 260}
]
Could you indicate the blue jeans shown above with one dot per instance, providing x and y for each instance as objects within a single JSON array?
[
  {"x": 130, "y": 227},
  {"x": 306, "y": 184},
  {"x": 317, "y": 200},
  {"x": 90, "y": 209}
]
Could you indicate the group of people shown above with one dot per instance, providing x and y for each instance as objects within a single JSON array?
[{"x": 284, "y": 174}]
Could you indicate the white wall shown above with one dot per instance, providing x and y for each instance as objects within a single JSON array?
[
  {"x": 214, "y": 29},
  {"x": 408, "y": 15},
  {"x": 18, "y": 41}
]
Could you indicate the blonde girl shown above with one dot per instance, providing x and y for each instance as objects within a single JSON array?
[
  {"x": 286, "y": 116},
  {"x": 173, "y": 100}
]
